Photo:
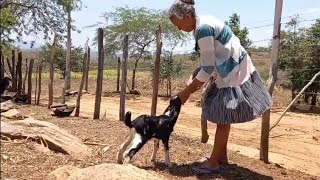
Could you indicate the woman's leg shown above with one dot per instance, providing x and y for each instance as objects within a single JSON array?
[{"x": 219, "y": 152}]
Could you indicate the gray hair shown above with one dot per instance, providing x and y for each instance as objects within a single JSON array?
[{"x": 180, "y": 9}]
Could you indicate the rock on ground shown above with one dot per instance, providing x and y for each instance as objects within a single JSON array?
[
  {"x": 48, "y": 134},
  {"x": 103, "y": 172}
]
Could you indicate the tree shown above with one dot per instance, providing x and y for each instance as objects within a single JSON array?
[
  {"x": 299, "y": 55},
  {"x": 168, "y": 69},
  {"x": 140, "y": 24},
  {"x": 69, "y": 6},
  {"x": 242, "y": 34},
  {"x": 29, "y": 17},
  {"x": 76, "y": 56}
]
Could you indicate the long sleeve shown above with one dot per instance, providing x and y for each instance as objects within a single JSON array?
[{"x": 205, "y": 39}]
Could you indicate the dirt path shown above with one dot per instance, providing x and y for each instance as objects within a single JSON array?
[{"x": 294, "y": 144}]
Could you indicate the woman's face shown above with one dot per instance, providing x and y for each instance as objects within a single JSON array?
[{"x": 187, "y": 24}]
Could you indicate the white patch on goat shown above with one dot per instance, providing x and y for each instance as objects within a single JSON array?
[
  {"x": 135, "y": 142},
  {"x": 167, "y": 113},
  {"x": 155, "y": 150}
]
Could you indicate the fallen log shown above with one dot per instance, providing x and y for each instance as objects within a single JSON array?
[{"x": 48, "y": 134}]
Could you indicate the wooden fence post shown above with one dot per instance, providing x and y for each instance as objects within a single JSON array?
[
  {"x": 30, "y": 81},
  {"x": 52, "y": 55},
  {"x": 13, "y": 71},
  {"x": 156, "y": 72},
  {"x": 96, "y": 114},
  {"x": 25, "y": 77},
  {"x": 2, "y": 65},
  {"x": 118, "y": 75},
  {"x": 265, "y": 126},
  {"x": 124, "y": 78},
  {"x": 84, "y": 73},
  {"x": 36, "y": 88},
  {"x": 19, "y": 72},
  {"x": 87, "y": 70},
  {"x": 39, "y": 84}
]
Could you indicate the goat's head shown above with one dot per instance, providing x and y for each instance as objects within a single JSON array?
[{"x": 174, "y": 106}]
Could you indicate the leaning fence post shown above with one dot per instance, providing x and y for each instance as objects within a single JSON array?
[
  {"x": 100, "y": 75},
  {"x": 39, "y": 84},
  {"x": 124, "y": 78},
  {"x": 53, "y": 52}
]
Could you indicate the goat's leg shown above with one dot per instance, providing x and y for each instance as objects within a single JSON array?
[
  {"x": 155, "y": 150},
  {"x": 166, "y": 150},
  {"x": 137, "y": 144},
  {"x": 124, "y": 145}
]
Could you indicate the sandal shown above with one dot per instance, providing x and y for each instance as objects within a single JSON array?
[{"x": 202, "y": 170}]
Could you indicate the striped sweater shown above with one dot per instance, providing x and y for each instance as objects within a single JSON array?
[{"x": 221, "y": 52}]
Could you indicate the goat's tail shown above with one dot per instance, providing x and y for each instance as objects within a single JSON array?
[{"x": 127, "y": 119}]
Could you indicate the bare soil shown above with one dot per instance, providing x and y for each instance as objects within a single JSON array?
[
  {"x": 294, "y": 144},
  {"x": 25, "y": 160}
]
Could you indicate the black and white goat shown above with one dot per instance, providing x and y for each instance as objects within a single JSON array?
[{"x": 146, "y": 127}]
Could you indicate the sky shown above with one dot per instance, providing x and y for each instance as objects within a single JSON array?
[{"x": 253, "y": 15}]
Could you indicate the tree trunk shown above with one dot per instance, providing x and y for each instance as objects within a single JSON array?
[
  {"x": 100, "y": 75},
  {"x": 67, "y": 85},
  {"x": 25, "y": 77},
  {"x": 10, "y": 68},
  {"x": 30, "y": 81},
  {"x": 13, "y": 75},
  {"x": 19, "y": 72},
  {"x": 39, "y": 88},
  {"x": 52, "y": 55},
  {"x": 314, "y": 98},
  {"x": 133, "y": 85}
]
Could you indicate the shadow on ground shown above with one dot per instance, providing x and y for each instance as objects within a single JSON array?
[{"x": 230, "y": 172}]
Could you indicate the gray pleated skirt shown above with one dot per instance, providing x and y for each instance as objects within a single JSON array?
[{"x": 237, "y": 104}]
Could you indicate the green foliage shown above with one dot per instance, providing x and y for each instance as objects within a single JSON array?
[
  {"x": 29, "y": 17},
  {"x": 77, "y": 55},
  {"x": 140, "y": 24},
  {"x": 168, "y": 68},
  {"x": 242, "y": 34},
  {"x": 299, "y": 54}
]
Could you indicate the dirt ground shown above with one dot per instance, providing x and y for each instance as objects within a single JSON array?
[
  {"x": 23, "y": 160},
  {"x": 294, "y": 144}
]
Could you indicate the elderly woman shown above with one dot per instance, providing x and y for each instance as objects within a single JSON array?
[{"x": 237, "y": 95}]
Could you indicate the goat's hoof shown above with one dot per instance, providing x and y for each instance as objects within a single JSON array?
[
  {"x": 168, "y": 164},
  {"x": 126, "y": 160}
]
